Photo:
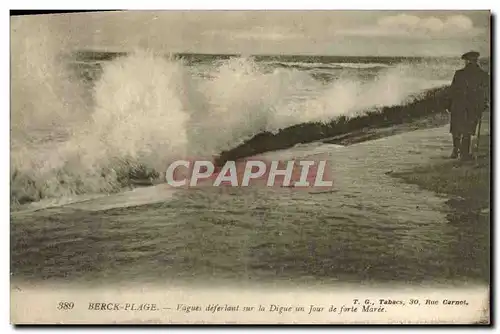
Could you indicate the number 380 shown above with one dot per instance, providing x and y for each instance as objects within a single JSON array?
[{"x": 65, "y": 305}]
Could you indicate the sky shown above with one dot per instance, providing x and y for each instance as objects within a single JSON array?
[{"x": 355, "y": 33}]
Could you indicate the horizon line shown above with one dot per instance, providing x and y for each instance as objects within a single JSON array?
[{"x": 270, "y": 54}]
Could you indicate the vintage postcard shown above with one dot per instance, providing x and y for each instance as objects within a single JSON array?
[{"x": 250, "y": 167}]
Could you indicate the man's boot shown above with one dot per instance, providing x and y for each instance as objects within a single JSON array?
[
  {"x": 456, "y": 146},
  {"x": 465, "y": 148}
]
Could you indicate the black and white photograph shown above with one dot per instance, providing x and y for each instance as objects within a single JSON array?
[{"x": 259, "y": 166}]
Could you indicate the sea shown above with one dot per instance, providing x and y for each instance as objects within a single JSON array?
[{"x": 83, "y": 121}]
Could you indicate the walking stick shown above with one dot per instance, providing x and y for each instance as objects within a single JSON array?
[{"x": 476, "y": 153}]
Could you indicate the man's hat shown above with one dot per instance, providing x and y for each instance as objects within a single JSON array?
[{"x": 471, "y": 55}]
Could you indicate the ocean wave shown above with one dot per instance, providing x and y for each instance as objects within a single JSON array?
[
  {"x": 147, "y": 110},
  {"x": 328, "y": 66}
]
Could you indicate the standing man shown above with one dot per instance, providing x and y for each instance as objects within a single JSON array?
[{"x": 469, "y": 95}]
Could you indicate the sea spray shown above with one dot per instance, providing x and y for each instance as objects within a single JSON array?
[
  {"x": 47, "y": 106},
  {"x": 142, "y": 109},
  {"x": 245, "y": 100},
  {"x": 347, "y": 97},
  {"x": 46, "y": 102},
  {"x": 136, "y": 123}
]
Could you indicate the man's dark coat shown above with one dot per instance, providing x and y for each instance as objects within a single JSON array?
[{"x": 469, "y": 96}]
